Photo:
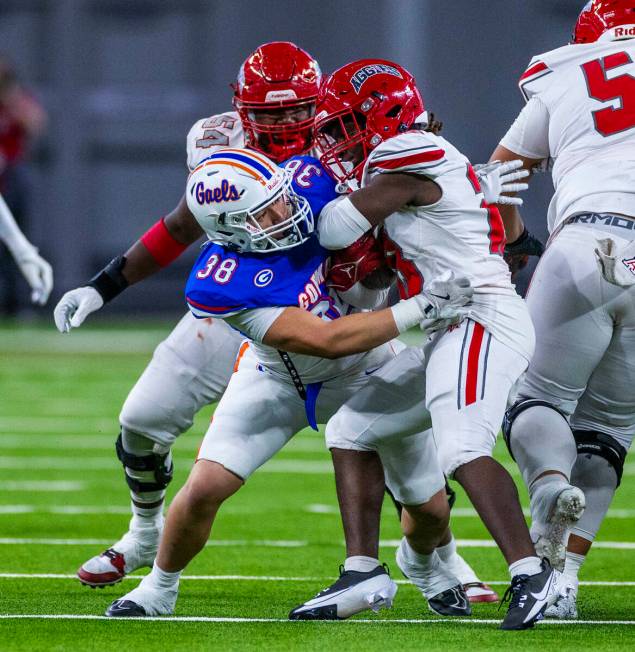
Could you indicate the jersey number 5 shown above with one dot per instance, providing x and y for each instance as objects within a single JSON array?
[{"x": 611, "y": 120}]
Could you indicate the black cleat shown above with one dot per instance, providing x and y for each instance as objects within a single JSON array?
[
  {"x": 529, "y": 596},
  {"x": 125, "y": 609},
  {"x": 453, "y": 602},
  {"x": 350, "y": 594}
]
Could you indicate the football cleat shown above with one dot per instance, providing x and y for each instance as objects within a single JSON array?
[
  {"x": 475, "y": 590},
  {"x": 145, "y": 600},
  {"x": 352, "y": 593},
  {"x": 480, "y": 592},
  {"x": 555, "y": 508},
  {"x": 529, "y": 596},
  {"x": 565, "y": 606},
  {"x": 440, "y": 587},
  {"x": 127, "y": 555}
]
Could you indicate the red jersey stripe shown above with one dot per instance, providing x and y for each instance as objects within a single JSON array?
[
  {"x": 471, "y": 376},
  {"x": 202, "y": 306},
  {"x": 413, "y": 159},
  {"x": 534, "y": 70}
]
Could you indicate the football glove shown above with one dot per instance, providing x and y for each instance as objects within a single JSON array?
[
  {"x": 517, "y": 253},
  {"x": 442, "y": 301},
  {"x": 37, "y": 272},
  {"x": 73, "y": 308},
  {"x": 617, "y": 266},
  {"x": 497, "y": 178},
  {"x": 355, "y": 263}
]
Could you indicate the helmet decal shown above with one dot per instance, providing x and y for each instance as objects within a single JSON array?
[{"x": 364, "y": 73}]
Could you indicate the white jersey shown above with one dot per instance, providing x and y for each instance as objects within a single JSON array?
[
  {"x": 209, "y": 134},
  {"x": 459, "y": 233},
  {"x": 581, "y": 114}
]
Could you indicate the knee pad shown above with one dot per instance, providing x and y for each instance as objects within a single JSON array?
[
  {"x": 159, "y": 465},
  {"x": 591, "y": 442},
  {"x": 520, "y": 406}
]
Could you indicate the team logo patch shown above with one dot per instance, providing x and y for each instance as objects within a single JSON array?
[
  {"x": 629, "y": 263},
  {"x": 225, "y": 192},
  {"x": 365, "y": 73},
  {"x": 263, "y": 278}
]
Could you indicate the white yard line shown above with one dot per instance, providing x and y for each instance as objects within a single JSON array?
[
  {"x": 363, "y": 621},
  {"x": 286, "y": 543},
  {"x": 262, "y": 578},
  {"x": 41, "y": 485}
]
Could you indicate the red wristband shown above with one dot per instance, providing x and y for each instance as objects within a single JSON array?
[{"x": 161, "y": 244}]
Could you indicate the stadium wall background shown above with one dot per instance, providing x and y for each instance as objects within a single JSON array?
[{"x": 123, "y": 80}]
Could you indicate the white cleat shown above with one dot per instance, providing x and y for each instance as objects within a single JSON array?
[
  {"x": 136, "y": 549},
  {"x": 555, "y": 508},
  {"x": 440, "y": 587},
  {"x": 145, "y": 600},
  {"x": 351, "y": 594},
  {"x": 566, "y": 605}
]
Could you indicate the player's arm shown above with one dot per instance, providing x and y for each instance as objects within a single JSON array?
[
  {"x": 158, "y": 247},
  {"x": 343, "y": 222},
  {"x": 37, "y": 272},
  {"x": 298, "y": 331}
]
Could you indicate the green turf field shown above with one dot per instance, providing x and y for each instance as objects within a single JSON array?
[{"x": 63, "y": 499}]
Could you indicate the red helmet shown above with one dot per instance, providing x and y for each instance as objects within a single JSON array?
[
  {"x": 599, "y": 16},
  {"x": 278, "y": 78},
  {"x": 360, "y": 105}
]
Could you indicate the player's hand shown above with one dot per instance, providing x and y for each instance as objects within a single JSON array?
[
  {"x": 517, "y": 253},
  {"x": 443, "y": 301},
  {"x": 617, "y": 266},
  {"x": 38, "y": 274},
  {"x": 355, "y": 263},
  {"x": 75, "y": 306},
  {"x": 497, "y": 178}
]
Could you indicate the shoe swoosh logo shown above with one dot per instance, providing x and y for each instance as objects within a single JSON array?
[
  {"x": 368, "y": 372},
  {"x": 440, "y": 296},
  {"x": 543, "y": 594},
  {"x": 320, "y": 600}
]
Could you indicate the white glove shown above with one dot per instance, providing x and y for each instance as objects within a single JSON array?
[
  {"x": 442, "y": 299},
  {"x": 616, "y": 266},
  {"x": 37, "y": 272},
  {"x": 75, "y": 306},
  {"x": 446, "y": 297},
  {"x": 497, "y": 178}
]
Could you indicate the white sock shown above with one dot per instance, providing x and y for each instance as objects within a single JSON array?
[
  {"x": 146, "y": 521},
  {"x": 572, "y": 564},
  {"x": 360, "y": 563},
  {"x": 546, "y": 479},
  {"x": 424, "y": 562},
  {"x": 447, "y": 551},
  {"x": 164, "y": 580},
  {"x": 525, "y": 566}
]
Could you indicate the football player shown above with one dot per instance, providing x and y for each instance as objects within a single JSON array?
[
  {"x": 275, "y": 102},
  {"x": 37, "y": 272},
  {"x": 370, "y": 123},
  {"x": 574, "y": 413},
  {"x": 264, "y": 273}
]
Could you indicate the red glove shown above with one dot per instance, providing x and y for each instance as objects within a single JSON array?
[{"x": 356, "y": 262}]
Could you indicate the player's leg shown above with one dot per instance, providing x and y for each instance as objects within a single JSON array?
[
  {"x": 389, "y": 403},
  {"x": 603, "y": 425},
  {"x": 188, "y": 370},
  {"x": 467, "y": 407},
  {"x": 256, "y": 417},
  {"x": 573, "y": 330}
]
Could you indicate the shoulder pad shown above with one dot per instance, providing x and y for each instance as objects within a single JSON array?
[
  {"x": 214, "y": 132},
  {"x": 418, "y": 151}
]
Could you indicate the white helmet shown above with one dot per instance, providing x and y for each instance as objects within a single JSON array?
[{"x": 229, "y": 189}]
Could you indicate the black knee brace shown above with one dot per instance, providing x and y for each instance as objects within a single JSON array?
[
  {"x": 153, "y": 462},
  {"x": 516, "y": 409},
  {"x": 592, "y": 442}
]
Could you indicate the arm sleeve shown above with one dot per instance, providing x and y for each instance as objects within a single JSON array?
[
  {"x": 529, "y": 135},
  {"x": 10, "y": 232},
  {"x": 340, "y": 224},
  {"x": 254, "y": 323}
]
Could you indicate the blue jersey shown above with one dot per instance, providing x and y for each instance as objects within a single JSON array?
[{"x": 224, "y": 282}]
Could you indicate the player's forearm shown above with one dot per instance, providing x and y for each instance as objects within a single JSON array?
[
  {"x": 11, "y": 234},
  {"x": 512, "y": 221},
  {"x": 345, "y": 336}
]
